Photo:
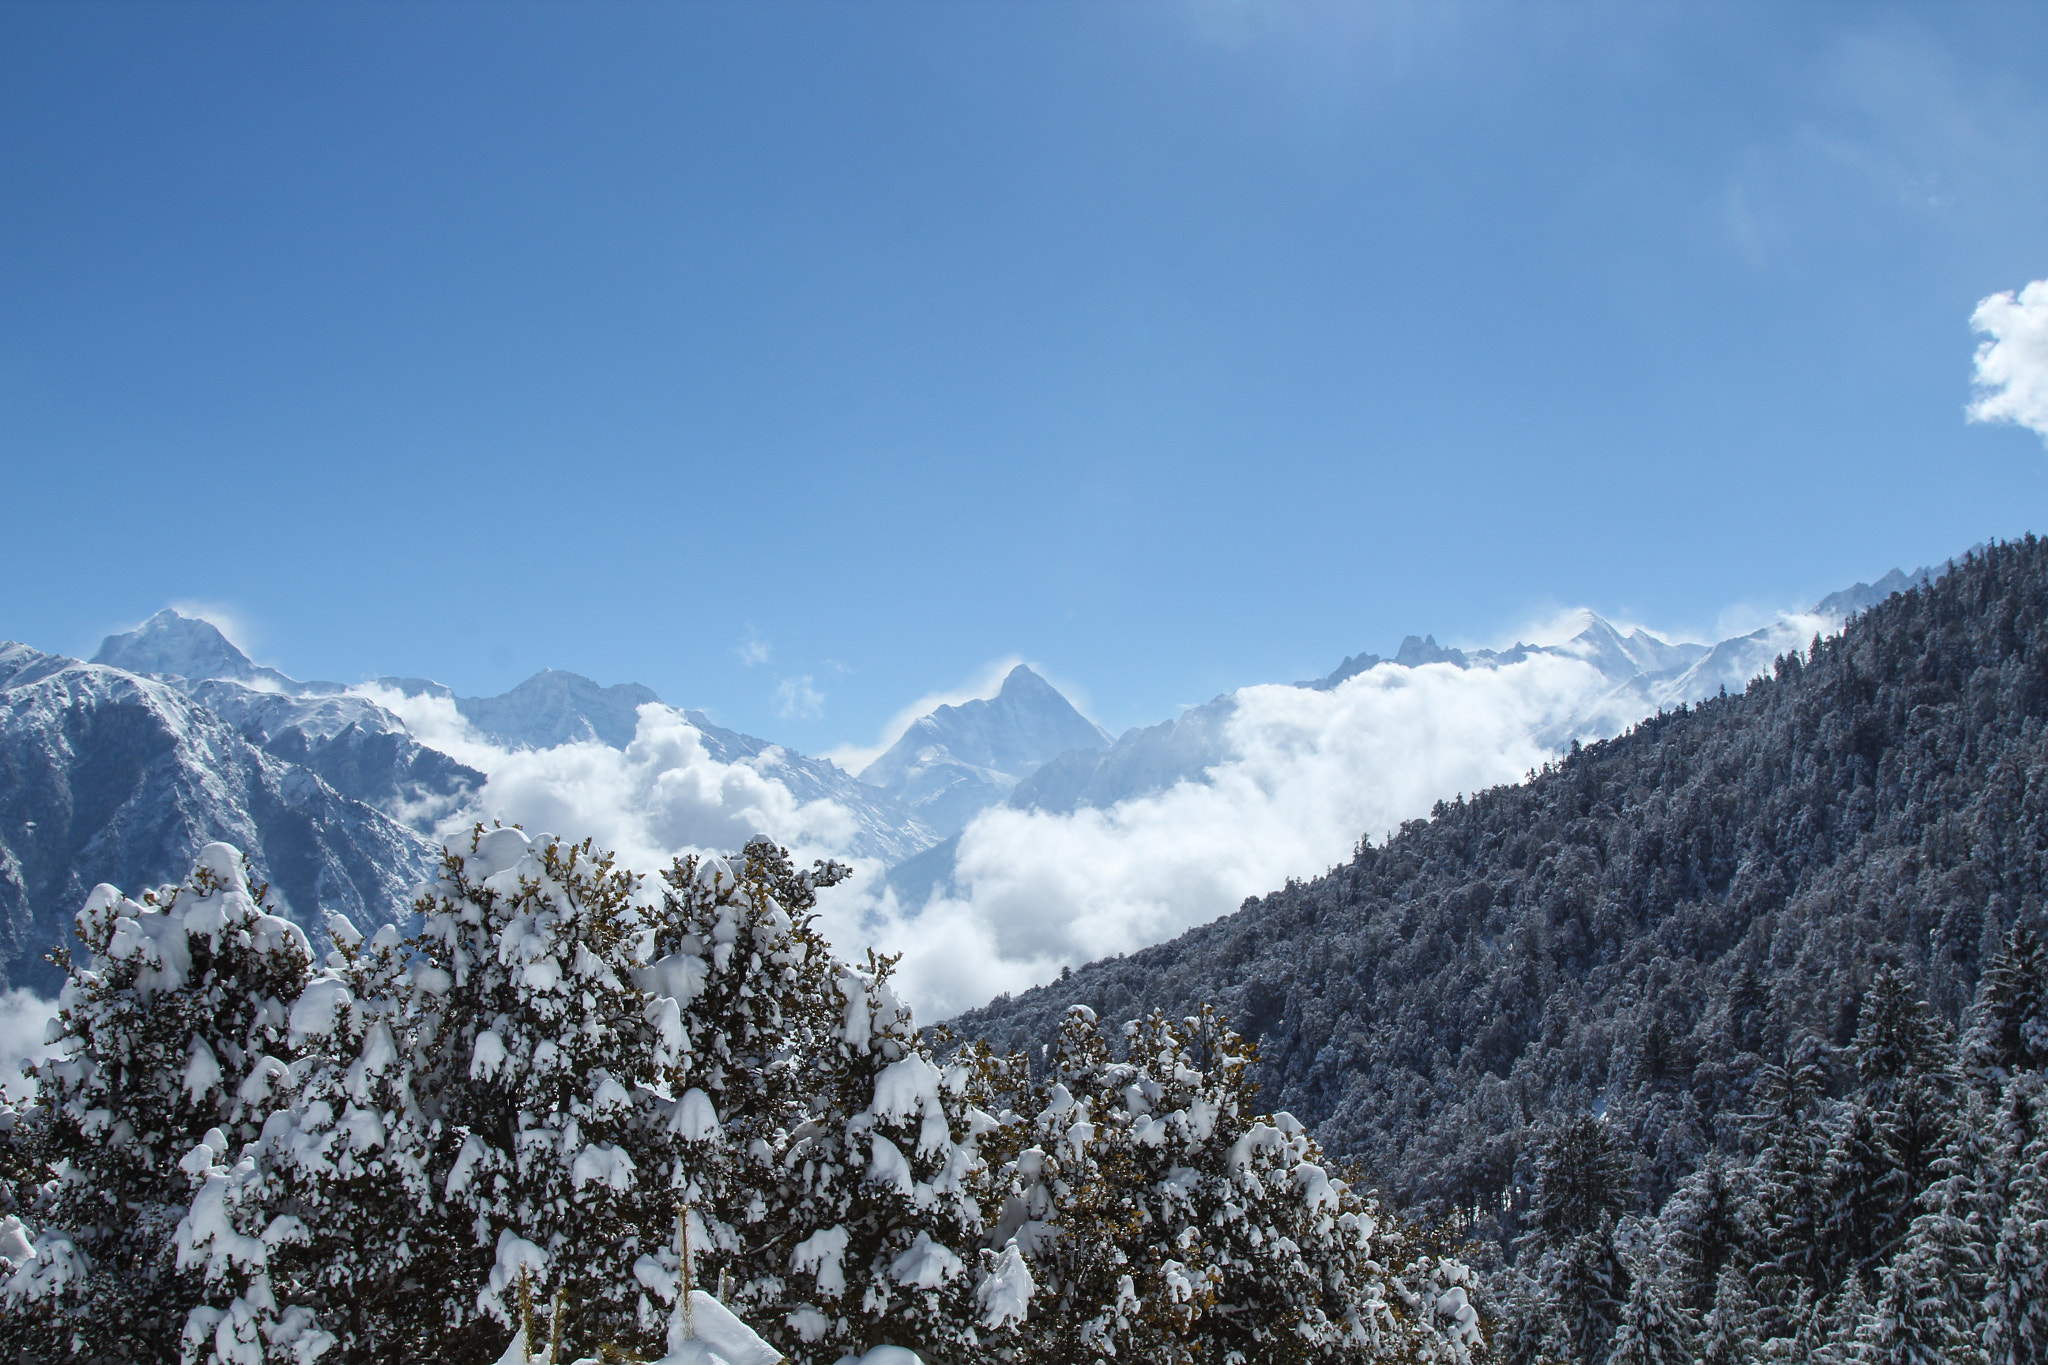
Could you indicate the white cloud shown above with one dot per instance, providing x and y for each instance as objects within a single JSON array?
[
  {"x": 660, "y": 796},
  {"x": 23, "y": 1017},
  {"x": 854, "y": 757},
  {"x": 2012, "y": 367},
  {"x": 753, "y": 650},
  {"x": 1312, "y": 771},
  {"x": 797, "y": 698}
]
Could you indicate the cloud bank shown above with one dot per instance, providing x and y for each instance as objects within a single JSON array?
[
  {"x": 661, "y": 796},
  {"x": 1307, "y": 773},
  {"x": 2012, "y": 367},
  {"x": 1312, "y": 771}
]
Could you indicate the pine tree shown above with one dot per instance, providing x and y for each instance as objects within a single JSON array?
[
  {"x": 1864, "y": 1193},
  {"x": 1948, "y": 1246},
  {"x": 1701, "y": 1230},
  {"x": 2008, "y": 1024},
  {"x": 2016, "y": 1295},
  {"x": 878, "y": 1203},
  {"x": 1728, "y": 1334},
  {"x": 1912, "y": 1323},
  {"x": 529, "y": 1091},
  {"x": 1582, "y": 1184},
  {"x": 1655, "y": 1328},
  {"x": 1898, "y": 1039},
  {"x": 1789, "y": 1189},
  {"x": 1170, "y": 1222},
  {"x": 1848, "y": 1323},
  {"x": 349, "y": 1167}
]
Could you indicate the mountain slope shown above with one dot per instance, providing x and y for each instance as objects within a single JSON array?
[
  {"x": 109, "y": 776},
  {"x": 357, "y": 747},
  {"x": 553, "y": 707},
  {"x": 1642, "y": 927},
  {"x": 961, "y": 759}
]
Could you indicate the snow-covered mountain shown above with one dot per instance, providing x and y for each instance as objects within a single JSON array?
[
  {"x": 367, "y": 751},
  {"x": 1649, "y": 674},
  {"x": 173, "y": 645},
  {"x": 357, "y": 747},
  {"x": 119, "y": 769},
  {"x": 548, "y": 709},
  {"x": 113, "y": 776},
  {"x": 960, "y": 760}
]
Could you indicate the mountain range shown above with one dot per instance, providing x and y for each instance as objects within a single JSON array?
[{"x": 119, "y": 768}]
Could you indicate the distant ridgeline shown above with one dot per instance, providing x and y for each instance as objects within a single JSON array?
[{"x": 1658, "y": 931}]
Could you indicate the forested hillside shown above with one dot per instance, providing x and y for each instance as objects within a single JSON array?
[{"x": 1638, "y": 931}]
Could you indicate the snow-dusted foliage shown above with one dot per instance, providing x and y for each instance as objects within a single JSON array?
[
  {"x": 879, "y": 1195},
  {"x": 570, "y": 1093},
  {"x": 1886, "y": 1204},
  {"x": 1165, "y": 1220},
  {"x": 172, "y": 1040}
]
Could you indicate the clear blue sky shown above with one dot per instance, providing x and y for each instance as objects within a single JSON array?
[{"x": 1171, "y": 346}]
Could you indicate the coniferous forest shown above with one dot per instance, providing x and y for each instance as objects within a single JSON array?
[{"x": 1722, "y": 1040}]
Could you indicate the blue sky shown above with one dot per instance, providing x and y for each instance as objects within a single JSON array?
[{"x": 799, "y": 360}]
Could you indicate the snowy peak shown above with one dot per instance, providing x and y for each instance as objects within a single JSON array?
[
  {"x": 1596, "y": 641},
  {"x": 1859, "y": 597},
  {"x": 118, "y": 776},
  {"x": 1619, "y": 656},
  {"x": 170, "y": 644},
  {"x": 553, "y": 707},
  {"x": 959, "y": 759}
]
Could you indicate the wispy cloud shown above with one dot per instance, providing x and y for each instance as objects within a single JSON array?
[
  {"x": 753, "y": 650},
  {"x": 2012, "y": 367},
  {"x": 797, "y": 699}
]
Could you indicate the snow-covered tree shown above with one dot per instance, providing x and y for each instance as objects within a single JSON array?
[
  {"x": 2016, "y": 1294},
  {"x": 1728, "y": 1333},
  {"x": 2008, "y": 1025},
  {"x": 1948, "y": 1247},
  {"x": 526, "y": 1094},
  {"x": 1913, "y": 1323},
  {"x": 1863, "y": 1191},
  {"x": 1655, "y": 1327},
  {"x": 1582, "y": 1185},
  {"x": 876, "y": 1204},
  {"x": 1166, "y": 1220},
  {"x": 171, "y": 1039},
  {"x": 1700, "y": 1231},
  {"x": 1789, "y": 1204}
]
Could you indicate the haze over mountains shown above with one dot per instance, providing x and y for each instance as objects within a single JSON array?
[{"x": 996, "y": 840}]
